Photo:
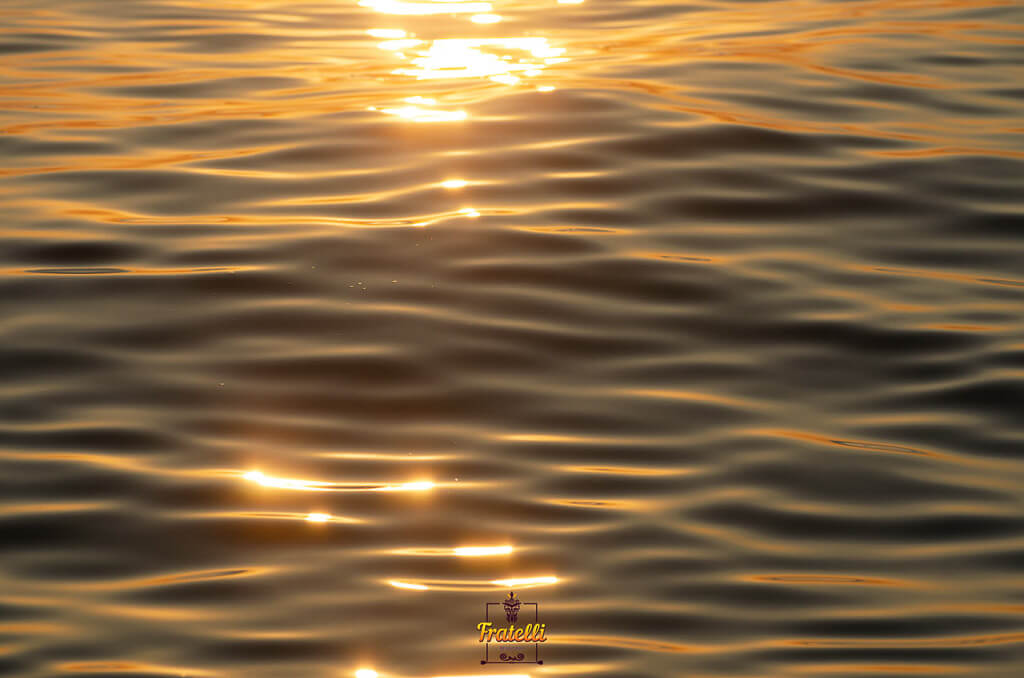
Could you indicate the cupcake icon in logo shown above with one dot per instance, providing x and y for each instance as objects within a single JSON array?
[{"x": 511, "y": 605}]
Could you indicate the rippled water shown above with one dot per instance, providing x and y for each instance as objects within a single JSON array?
[{"x": 324, "y": 323}]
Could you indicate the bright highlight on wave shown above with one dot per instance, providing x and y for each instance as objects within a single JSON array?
[
  {"x": 418, "y": 111},
  {"x": 529, "y": 581},
  {"x": 412, "y": 487},
  {"x": 461, "y": 551},
  {"x": 502, "y": 60},
  {"x": 390, "y": 33},
  {"x": 408, "y": 8},
  {"x": 399, "y": 45},
  {"x": 420, "y": 114},
  {"x": 318, "y": 517},
  {"x": 408, "y": 585},
  {"x": 264, "y": 480},
  {"x": 370, "y": 673},
  {"x": 476, "y": 551},
  {"x": 260, "y": 478},
  {"x": 483, "y": 58},
  {"x": 471, "y": 585}
]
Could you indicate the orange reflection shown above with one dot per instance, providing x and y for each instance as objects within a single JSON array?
[
  {"x": 108, "y": 667},
  {"x": 408, "y": 8},
  {"x": 471, "y": 585},
  {"x": 408, "y": 585},
  {"x": 285, "y": 483},
  {"x": 632, "y": 643},
  {"x": 485, "y": 19},
  {"x": 460, "y": 551},
  {"x": 390, "y": 33},
  {"x": 483, "y": 57},
  {"x": 421, "y": 114},
  {"x": 264, "y": 480},
  {"x": 527, "y": 582},
  {"x": 269, "y": 515},
  {"x": 505, "y": 60},
  {"x": 474, "y": 551},
  {"x": 170, "y": 579}
]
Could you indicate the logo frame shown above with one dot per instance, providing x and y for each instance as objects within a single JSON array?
[{"x": 519, "y": 657}]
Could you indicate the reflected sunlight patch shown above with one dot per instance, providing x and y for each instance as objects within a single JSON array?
[
  {"x": 459, "y": 551},
  {"x": 408, "y": 585},
  {"x": 507, "y": 61},
  {"x": 420, "y": 114},
  {"x": 390, "y": 33},
  {"x": 526, "y": 582},
  {"x": 451, "y": 58},
  {"x": 264, "y": 480},
  {"x": 268, "y": 515},
  {"x": 472, "y": 585},
  {"x": 409, "y": 8},
  {"x": 399, "y": 45},
  {"x": 474, "y": 551},
  {"x": 130, "y": 667}
]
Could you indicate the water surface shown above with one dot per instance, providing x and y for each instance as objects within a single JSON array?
[{"x": 324, "y": 323}]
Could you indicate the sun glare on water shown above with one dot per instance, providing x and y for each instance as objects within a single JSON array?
[
  {"x": 264, "y": 480},
  {"x": 408, "y": 8},
  {"x": 475, "y": 551}
]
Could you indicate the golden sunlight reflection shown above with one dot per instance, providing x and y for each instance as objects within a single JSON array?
[
  {"x": 408, "y": 585},
  {"x": 504, "y": 60},
  {"x": 409, "y": 8},
  {"x": 366, "y": 673},
  {"x": 265, "y": 480},
  {"x": 412, "y": 487},
  {"x": 476, "y": 551},
  {"x": 268, "y": 515},
  {"x": 454, "y": 183},
  {"x": 471, "y": 585},
  {"x": 493, "y": 58},
  {"x": 420, "y": 114},
  {"x": 526, "y": 582},
  {"x": 399, "y": 44},
  {"x": 459, "y": 551},
  {"x": 260, "y": 478},
  {"x": 390, "y": 33}
]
